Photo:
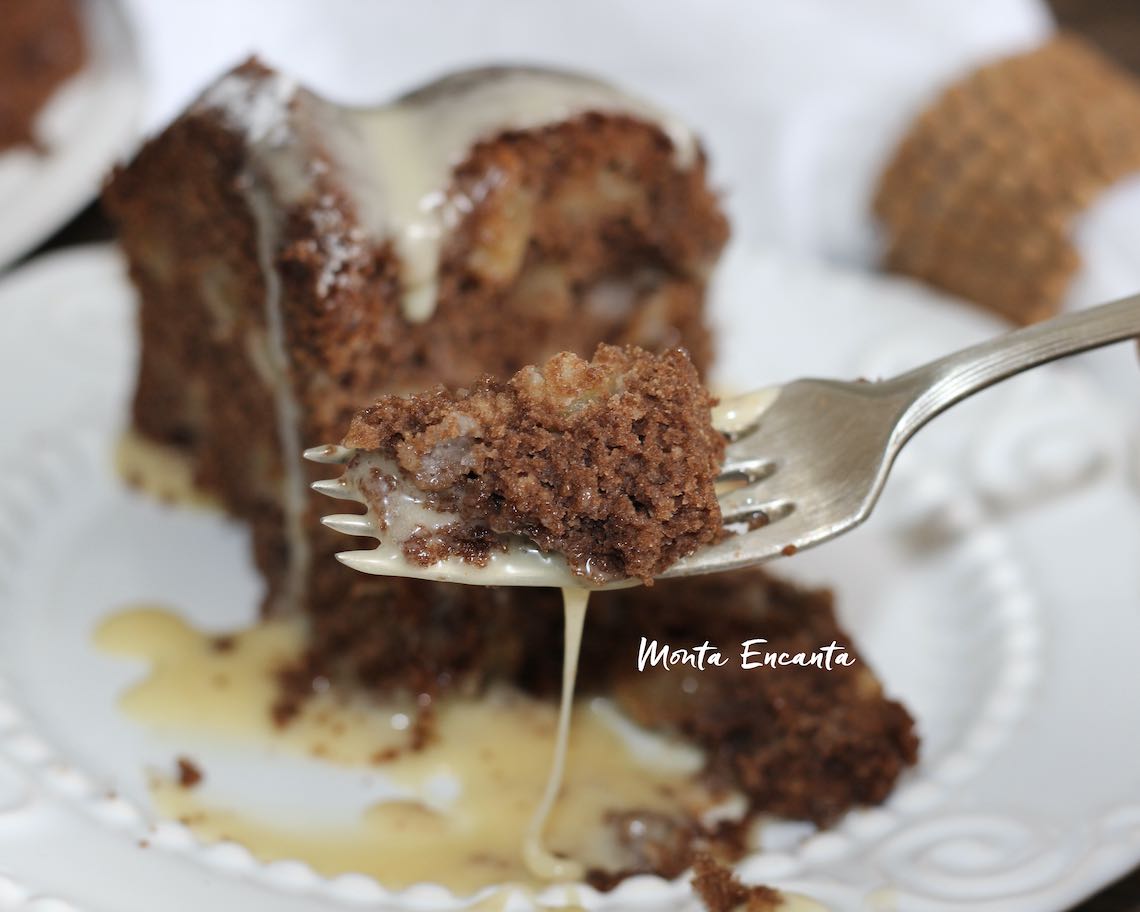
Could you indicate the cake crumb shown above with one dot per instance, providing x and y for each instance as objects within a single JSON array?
[
  {"x": 189, "y": 773},
  {"x": 721, "y": 891},
  {"x": 387, "y": 755}
]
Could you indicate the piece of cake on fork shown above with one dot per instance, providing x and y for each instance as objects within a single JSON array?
[{"x": 611, "y": 463}]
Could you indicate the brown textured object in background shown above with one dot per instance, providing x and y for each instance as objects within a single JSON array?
[
  {"x": 41, "y": 45},
  {"x": 981, "y": 193}
]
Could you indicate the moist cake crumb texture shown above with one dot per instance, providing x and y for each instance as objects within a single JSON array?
[{"x": 611, "y": 462}]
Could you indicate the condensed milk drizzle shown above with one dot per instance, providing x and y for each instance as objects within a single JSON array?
[
  {"x": 539, "y": 859},
  {"x": 399, "y": 157}
]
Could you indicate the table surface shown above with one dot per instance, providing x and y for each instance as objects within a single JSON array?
[{"x": 1112, "y": 24}]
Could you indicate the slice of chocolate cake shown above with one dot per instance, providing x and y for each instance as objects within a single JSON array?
[
  {"x": 611, "y": 463},
  {"x": 297, "y": 259}
]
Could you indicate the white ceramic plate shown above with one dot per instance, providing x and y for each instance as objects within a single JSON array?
[
  {"x": 995, "y": 591},
  {"x": 85, "y": 126}
]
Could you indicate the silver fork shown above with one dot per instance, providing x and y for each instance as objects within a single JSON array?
[
  {"x": 805, "y": 462},
  {"x": 812, "y": 456}
]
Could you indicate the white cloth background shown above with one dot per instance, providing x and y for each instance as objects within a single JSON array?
[{"x": 799, "y": 101}]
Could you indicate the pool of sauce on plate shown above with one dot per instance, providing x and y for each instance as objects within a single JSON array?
[{"x": 498, "y": 829}]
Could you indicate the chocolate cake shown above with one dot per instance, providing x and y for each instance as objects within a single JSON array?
[
  {"x": 611, "y": 463},
  {"x": 297, "y": 260},
  {"x": 41, "y": 46}
]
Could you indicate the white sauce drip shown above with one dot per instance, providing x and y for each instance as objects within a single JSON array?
[
  {"x": 399, "y": 157},
  {"x": 401, "y": 509},
  {"x": 411, "y": 146},
  {"x": 541, "y": 861},
  {"x": 288, "y": 411},
  {"x": 259, "y": 109}
]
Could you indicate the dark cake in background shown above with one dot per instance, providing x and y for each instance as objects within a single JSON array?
[{"x": 41, "y": 46}]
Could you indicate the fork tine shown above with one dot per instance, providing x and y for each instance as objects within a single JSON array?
[
  {"x": 372, "y": 561},
  {"x": 751, "y": 503},
  {"x": 747, "y": 469},
  {"x": 350, "y": 523},
  {"x": 329, "y": 454},
  {"x": 777, "y": 539},
  {"x": 336, "y": 488}
]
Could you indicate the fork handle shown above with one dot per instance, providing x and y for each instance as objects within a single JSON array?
[{"x": 940, "y": 384}]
